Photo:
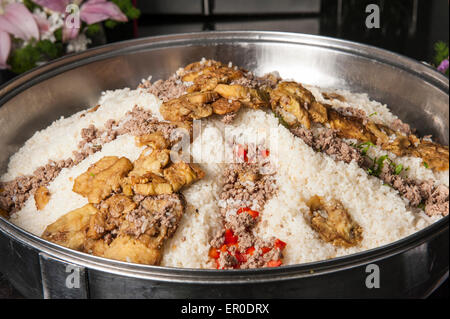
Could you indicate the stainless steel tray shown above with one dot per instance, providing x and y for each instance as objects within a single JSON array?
[{"x": 411, "y": 267}]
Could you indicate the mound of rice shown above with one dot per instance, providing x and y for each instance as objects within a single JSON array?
[{"x": 300, "y": 174}]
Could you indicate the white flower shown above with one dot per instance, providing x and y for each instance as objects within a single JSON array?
[{"x": 78, "y": 44}]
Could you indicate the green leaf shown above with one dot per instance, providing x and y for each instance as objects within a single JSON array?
[
  {"x": 426, "y": 165},
  {"x": 93, "y": 29},
  {"x": 441, "y": 49},
  {"x": 398, "y": 169}
]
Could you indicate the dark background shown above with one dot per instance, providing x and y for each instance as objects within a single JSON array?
[{"x": 408, "y": 27}]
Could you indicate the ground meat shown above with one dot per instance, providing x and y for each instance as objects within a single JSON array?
[
  {"x": 246, "y": 192},
  {"x": 399, "y": 125},
  {"x": 143, "y": 122},
  {"x": 245, "y": 186},
  {"x": 327, "y": 142},
  {"x": 267, "y": 81},
  {"x": 15, "y": 193},
  {"x": 166, "y": 90},
  {"x": 351, "y": 111}
]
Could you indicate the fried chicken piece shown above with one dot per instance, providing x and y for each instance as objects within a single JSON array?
[
  {"x": 349, "y": 127},
  {"x": 333, "y": 223},
  {"x": 150, "y": 161},
  {"x": 249, "y": 97},
  {"x": 41, "y": 197},
  {"x": 207, "y": 75},
  {"x": 434, "y": 155},
  {"x": 182, "y": 174},
  {"x": 153, "y": 185},
  {"x": 70, "y": 229},
  {"x": 289, "y": 100},
  {"x": 102, "y": 178},
  {"x": 224, "y": 106},
  {"x": 154, "y": 140},
  {"x": 191, "y": 106}
]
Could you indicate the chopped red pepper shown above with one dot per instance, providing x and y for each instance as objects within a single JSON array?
[
  {"x": 230, "y": 238},
  {"x": 274, "y": 263},
  {"x": 214, "y": 253},
  {"x": 224, "y": 248},
  {"x": 265, "y": 250},
  {"x": 280, "y": 244},
  {"x": 252, "y": 213},
  {"x": 265, "y": 153},
  {"x": 250, "y": 251}
]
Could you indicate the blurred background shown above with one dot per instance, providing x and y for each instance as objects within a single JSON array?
[{"x": 416, "y": 28}]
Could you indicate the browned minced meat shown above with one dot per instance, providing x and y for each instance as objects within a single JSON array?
[
  {"x": 328, "y": 142},
  {"x": 165, "y": 216},
  {"x": 354, "y": 112},
  {"x": 143, "y": 122},
  {"x": 166, "y": 90},
  {"x": 399, "y": 125},
  {"x": 269, "y": 80},
  {"x": 15, "y": 193},
  {"x": 435, "y": 199},
  {"x": 247, "y": 193}
]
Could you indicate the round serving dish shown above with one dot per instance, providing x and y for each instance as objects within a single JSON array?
[{"x": 411, "y": 267}]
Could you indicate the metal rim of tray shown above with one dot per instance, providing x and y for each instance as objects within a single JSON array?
[{"x": 207, "y": 276}]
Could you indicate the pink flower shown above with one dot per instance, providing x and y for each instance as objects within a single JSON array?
[
  {"x": 94, "y": 11},
  {"x": 443, "y": 67},
  {"x": 54, "y": 5},
  {"x": 5, "y": 46},
  {"x": 19, "y": 22}
]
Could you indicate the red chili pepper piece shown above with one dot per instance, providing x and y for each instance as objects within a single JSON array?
[
  {"x": 250, "y": 251},
  {"x": 280, "y": 244},
  {"x": 274, "y": 263},
  {"x": 230, "y": 238},
  {"x": 265, "y": 250},
  {"x": 214, "y": 253},
  {"x": 224, "y": 248},
  {"x": 252, "y": 213}
]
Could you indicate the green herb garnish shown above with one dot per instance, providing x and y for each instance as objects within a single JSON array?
[
  {"x": 374, "y": 113},
  {"x": 364, "y": 147},
  {"x": 426, "y": 165},
  {"x": 398, "y": 169}
]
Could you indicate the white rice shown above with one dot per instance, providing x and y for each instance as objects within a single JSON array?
[{"x": 301, "y": 173}]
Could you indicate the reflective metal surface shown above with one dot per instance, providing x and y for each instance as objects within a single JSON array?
[{"x": 411, "y": 267}]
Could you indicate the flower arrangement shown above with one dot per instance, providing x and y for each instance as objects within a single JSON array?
[
  {"x": 441, "y": 57},
  {"x": 33, "y": 32}
]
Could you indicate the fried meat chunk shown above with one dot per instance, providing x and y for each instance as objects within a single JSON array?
[
  {"x": 102, "y": 178},
  {"x": 70, "y": 230},
  {"x": 41, "y": 197},
  {"x": 191, "y": 106},
  {"x": 333, "y": 223}
]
